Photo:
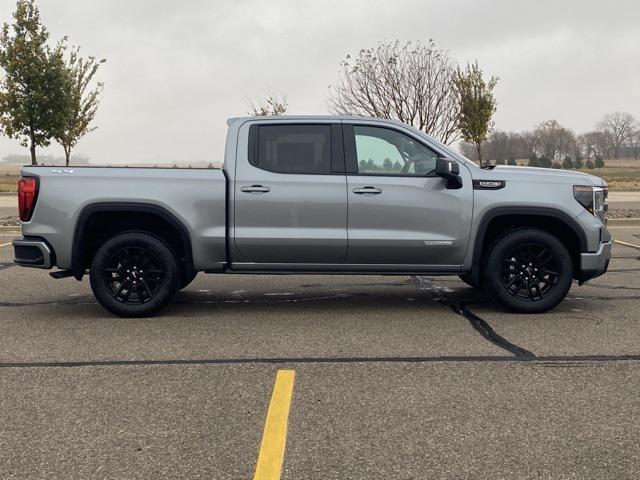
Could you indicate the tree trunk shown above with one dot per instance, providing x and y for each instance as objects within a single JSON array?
[
  {"x": 32, "y": 148},
  {"x": 67, "y": 155},
  {"x": 479, "y": 154}
]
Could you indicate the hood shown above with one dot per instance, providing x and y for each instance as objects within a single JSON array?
[{"x": 546, "y": 174}]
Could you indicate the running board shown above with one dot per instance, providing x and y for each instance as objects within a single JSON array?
[{"x": 61, "y": 274}]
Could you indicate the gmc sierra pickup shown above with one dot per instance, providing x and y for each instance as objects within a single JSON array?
[{"x": 316, "y": 195}]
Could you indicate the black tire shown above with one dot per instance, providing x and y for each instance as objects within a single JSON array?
[
  {"x": 467, "y": 279},
  {"x": 186, "y": 279},
  {"x": 528, "y": 271},
  {"x": 134, "y": 275}
]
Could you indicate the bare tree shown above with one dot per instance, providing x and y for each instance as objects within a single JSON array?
[
  {"x": 634, "y": 144},
  {"x": 412, "y": 83},
  {"x": 499, "y": 146},
  {"x": 619, "y": 126},
  {"x": 275, "y": 104},
  {"x": 552, "y": 140},
  {"x": 595, "y": 144}
]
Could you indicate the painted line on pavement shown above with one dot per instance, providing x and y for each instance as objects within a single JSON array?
[
  {"x": 5, "y": 244},
  {"x": 274, "y": 437}
]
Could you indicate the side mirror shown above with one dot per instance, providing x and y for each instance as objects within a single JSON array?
[{"x": 449, "y": 170}]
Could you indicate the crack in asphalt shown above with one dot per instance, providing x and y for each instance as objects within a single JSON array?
[
  {"x": 555, "y": 360},
  {"x": 489, "y": 333},
  {"x": 480, "y": 325}
]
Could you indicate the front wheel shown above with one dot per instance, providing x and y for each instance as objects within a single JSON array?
[
  {"x": 134, "y": 275},
  {"x": 529, "y": 271}
]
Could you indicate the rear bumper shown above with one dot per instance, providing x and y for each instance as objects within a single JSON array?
[
  {"x": 595, "y": 264},
  {"x": 33, "y": 252}
]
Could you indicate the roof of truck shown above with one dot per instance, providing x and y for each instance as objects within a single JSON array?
[{"x": 315, "y": 117}]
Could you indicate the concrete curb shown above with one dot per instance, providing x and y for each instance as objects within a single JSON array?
[
  {"x": 627, "y": 222},
  {"x": 10, "y": 231}
]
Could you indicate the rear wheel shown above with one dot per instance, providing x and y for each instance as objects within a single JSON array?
[
  {"x": 529, "y": 271},
  {"x": 134, "y": 275}
]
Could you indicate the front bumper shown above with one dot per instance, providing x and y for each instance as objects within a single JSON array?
[
  {"x": 32, "y": 252},
  {"x": 593, "y": 265}
]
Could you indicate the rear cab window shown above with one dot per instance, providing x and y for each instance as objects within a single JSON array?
[{"x": 292, "y": 149}]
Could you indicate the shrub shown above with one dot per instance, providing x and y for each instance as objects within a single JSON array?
[
  {"x": 578, "y": 163},
  {"x": 512, "y": 162},
  {"x": 599, "y": 163},
  {"x": 545, "y": 162},
  {"x": 590, "y": 165},
  {"x": 567, "y": 163}
]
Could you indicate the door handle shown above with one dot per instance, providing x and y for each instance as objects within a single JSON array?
[
  {"x": 255, "y": 189},
  {"x": 367, "y": 190}
]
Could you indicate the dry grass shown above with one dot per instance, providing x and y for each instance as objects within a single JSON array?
[
  {"x": 9, "y": 178},
  {"x": 618, "y": 178}
]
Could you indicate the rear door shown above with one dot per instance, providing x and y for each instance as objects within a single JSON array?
[
  {"x": 290, "y": 195},
  {"x": 399, "y": 211}
]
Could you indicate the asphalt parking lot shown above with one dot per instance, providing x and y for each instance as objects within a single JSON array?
[{"x": 395, "y": 377}]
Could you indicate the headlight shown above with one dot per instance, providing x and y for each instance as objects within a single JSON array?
[{"x": 593, "y": 199}]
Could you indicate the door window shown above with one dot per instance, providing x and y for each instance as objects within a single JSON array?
[
  {"x": 382, "y": 151},
  {"x": 301, "y": 149}
]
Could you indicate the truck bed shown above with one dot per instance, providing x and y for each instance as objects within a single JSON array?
[{"x": 194, "y": 197}]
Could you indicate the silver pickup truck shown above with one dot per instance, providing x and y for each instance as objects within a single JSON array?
[{"x": 316, "y": 195}]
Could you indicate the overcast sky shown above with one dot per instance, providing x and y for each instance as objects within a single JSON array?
[{"x": 177, "y": 69}]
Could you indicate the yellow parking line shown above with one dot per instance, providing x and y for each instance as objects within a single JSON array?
[
  {"x": 5, "y": 244},
  {"x": 274, "y": 437},
  {"x": 627, "y": 244}
]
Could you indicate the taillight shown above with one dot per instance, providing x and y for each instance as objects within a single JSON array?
[{"x": 27, "y": 196}]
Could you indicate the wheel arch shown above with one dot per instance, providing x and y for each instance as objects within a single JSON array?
[
  {"x": 156, "y": 217},
  {"x": 552, "y": 220}
]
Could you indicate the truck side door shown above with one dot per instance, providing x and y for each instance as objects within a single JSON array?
[
  {"x": 399, "y": 211},
  {"x": 291, "y": 195}
]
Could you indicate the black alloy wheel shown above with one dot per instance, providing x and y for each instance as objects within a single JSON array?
[
  {"x": 528, "y": 270},
  {"x": 134, "y": 274}
]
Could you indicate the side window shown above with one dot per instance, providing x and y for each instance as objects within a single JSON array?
[
  {"x": 302, "y": 149},
  {"x": 382, "y": 151}
]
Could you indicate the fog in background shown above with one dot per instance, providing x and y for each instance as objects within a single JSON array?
[{"x": 176, "y": 70}]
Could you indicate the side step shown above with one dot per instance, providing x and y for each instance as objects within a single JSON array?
[{"x": 61, "y": 274}]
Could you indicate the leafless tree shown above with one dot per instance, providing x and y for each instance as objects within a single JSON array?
[
  {"x": 596, "y": 143},
  {"x": 411, "y": 83},
  {"x": 275, "y": 104},
  {"x": 553, "y": 141},
  {"x": 634, "y": 144},
  {"x": 619, "y": 126}
]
